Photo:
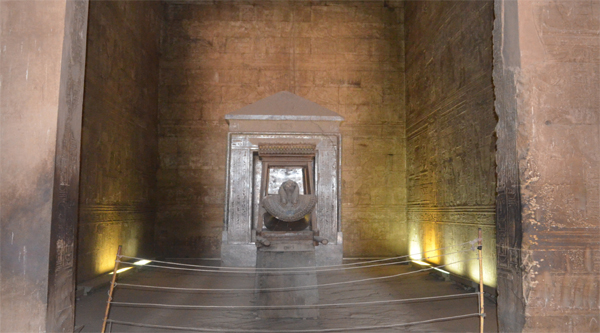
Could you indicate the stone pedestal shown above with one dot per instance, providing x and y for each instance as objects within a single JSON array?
[{"x": 287, "y": 249}]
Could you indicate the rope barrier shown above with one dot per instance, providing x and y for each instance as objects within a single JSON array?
[
  {"x": 283, "y": 307},
  {"x": 356, "y": 328},
  {"x": 297, "y": 270},
  {"x": 289, "y": 288},
  {"x": 317, "y": 270},
  {"x": 471, "y": 242}
]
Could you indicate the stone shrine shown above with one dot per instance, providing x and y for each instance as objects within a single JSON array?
[{"x": 284, "y": 154}]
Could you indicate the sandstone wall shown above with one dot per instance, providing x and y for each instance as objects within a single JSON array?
[
  {"x": 450, "y": 130},
  {"x": 548, "y": 76},
  {"x": 28, "y": 156},
  {"x": 42, "y": 47},
  {"x": 221, "y": 56},
  {"x": 120, "y": 154}
]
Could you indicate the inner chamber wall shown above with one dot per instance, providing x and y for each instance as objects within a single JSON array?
[{"x": 220, "y": 57}]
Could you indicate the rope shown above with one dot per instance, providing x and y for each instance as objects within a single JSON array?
[
  {"x": 286, "y": 272},
  {"x": 290, "y": 288},
  {"x": 471, "y": 242},
  {"x": 282, "y": 307},
  {"x": 357, "y": 328}
]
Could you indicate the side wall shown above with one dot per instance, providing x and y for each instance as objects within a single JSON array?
[
  {"x": 219, "y": 57},
  {"x": 450, "y": 130},
  {"x": 120, "y": 154},
  {"x": 548, "y": 64},
  {"x": 29, "y": 118},
  {"x": 41, "y": 86}
]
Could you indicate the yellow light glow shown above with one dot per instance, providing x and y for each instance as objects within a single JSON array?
[
  {"x": 414, "y": 242},
  {"x": 415, "y": 250},
  {"x": 422, "y": 263},
  {"x": 142, "y": 262},
  {"x": 121, "y": 270},
  {"x": 473, "y": 270},
  {"x": 441, "y": 270}
]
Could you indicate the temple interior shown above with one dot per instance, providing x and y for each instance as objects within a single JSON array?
[
  {"x": 418, "y": 144},
  {"x": 459, "y": 116}
]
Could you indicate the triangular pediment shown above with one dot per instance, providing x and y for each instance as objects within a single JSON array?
[{"x": 284, "y": 106}]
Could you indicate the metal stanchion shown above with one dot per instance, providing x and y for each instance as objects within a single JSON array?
[
  {"x": 481, "y": 308},
  {"x": 112, "y": 287}
]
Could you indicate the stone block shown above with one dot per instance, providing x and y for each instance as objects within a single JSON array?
[
  {"x": 323, "y": 96},
  {"x": 273, "y": 45},
  {"x": 370, "y": 13},
  {"x": 275, "y": 29},
  {"x": 280, "y": 11},
  {"x": 191, "y": 111},
  {"x": 277, "y": 78},
  {"x": 173, "y": 77},
  {"x": 313, "y": 29},
  {"x": 239, "y": 45},
  {"x": 267, "y": 258},
  {"x": 245, "y": 94},
  {"x": 370, "y": 96},
  {"x": 373, "y": 46},
  {"x": 194, "y": 94},
  {"x": 334, "y": 13},
  {"x": 304, "y": 78},
  {"x": 315, "y": 62}
]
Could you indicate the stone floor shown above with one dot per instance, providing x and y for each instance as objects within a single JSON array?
[{"x": 90, "y": 309}]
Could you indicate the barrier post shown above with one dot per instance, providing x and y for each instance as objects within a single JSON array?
[
  {"x": 112, "y": 287},
  {"x": 481, "y": 308}
]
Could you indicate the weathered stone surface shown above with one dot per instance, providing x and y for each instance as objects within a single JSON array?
[
  {"x": 41, "y": 78},
  {"x": 349, "y": 56},
  {"x": 345, "y": 56},
  {"x": 287, "y": 250},
  {"x": 27, "y": 174},
  {"x": 450, "y": 130},
  {"x": 547, "y": 76},
  {"x": 511, "y": 304},
  {"x": 120, "y": 152}
]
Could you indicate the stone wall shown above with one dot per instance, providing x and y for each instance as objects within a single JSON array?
[
  {"x": 41, "y": 86},
  {"x": 120, "y": 154},
  {"x": 221, "y": 56},
  {"x": 28, "y": 147},
  {"x": 450, "y": 130},
  {"x": 547, "y": 73}
]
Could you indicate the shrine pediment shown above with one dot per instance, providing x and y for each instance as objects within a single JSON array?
[{"x": 284, "y": 106}]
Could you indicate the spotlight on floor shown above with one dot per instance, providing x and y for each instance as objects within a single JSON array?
[
  {"x": 422, "y": 263},
  {"x": 444, "y": 274},
  {"x": 441, "y": 270},
  {"x": 142, "y": 262},
  {"x": 121, "y": 270}
]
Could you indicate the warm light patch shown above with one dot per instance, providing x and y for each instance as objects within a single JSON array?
[
  {"x": 457, "y": 260},
  {"x": 121, "y": 270},
  {"x": 473, "y": 270},
  {"x": 422, "y": 263},
  {"x": 414, "y": 243},
  {"x": 441, "y": 270},
  {"x": 415, "y": 250},
  {"x": 142, "y": 262}
]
